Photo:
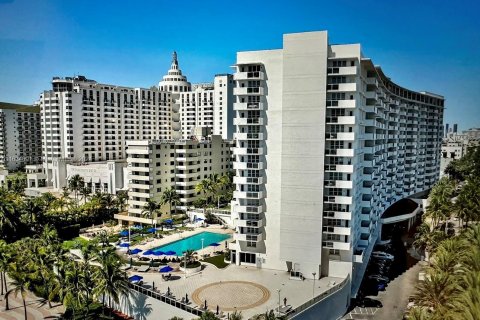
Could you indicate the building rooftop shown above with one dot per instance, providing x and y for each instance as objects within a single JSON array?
[{"x": 19, "y": 107}]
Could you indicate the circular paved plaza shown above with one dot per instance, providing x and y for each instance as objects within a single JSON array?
[{"x": 231, "y": 295}]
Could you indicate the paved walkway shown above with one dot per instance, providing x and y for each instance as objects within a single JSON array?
[
  {"x": 296, "y": 291},
  {"x": 37, "y": 308}
]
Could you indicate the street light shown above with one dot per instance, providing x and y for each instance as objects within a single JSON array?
[
  {"x": 313, "y": 289},
  {"x": 278, "y": 310}
]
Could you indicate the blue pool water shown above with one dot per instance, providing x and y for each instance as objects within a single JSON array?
[{"x": 195, "y": 242}]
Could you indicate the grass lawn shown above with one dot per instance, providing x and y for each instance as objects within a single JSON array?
[
  {"x": 75, "y": 243},
  {"x": 217, "y": 261}
]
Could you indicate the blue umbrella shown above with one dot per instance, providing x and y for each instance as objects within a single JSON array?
[
  {"x": 170, "y": 253},
  {"x": 135, "y": 251},
  {"x": 214, "y": 244},
  {"x": 158, "y": 253},
  {"x": 166, "y": 269},
  {"x": 168, "y": 221},
  {"x": 135, "y": 278},
  {"x": 152, "y": 230},
  {"x": 124, "y": 233},
  {"x": 124, "y": 245},
  {"x": 148, "y": 253},
  {"x": 137, "y": 227},
  {"x": 198, "y": 219}
]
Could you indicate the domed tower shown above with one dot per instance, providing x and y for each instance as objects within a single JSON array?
[{"x": 174, "y": 81}]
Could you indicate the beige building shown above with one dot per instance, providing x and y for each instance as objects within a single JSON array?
[{"x": 156, "y": 165}]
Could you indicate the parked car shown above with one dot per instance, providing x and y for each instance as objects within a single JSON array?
[
  {"x": 382, "y": 255},
  {"x": 369, "y": 303},
  {"x": 378, "y": 277}
]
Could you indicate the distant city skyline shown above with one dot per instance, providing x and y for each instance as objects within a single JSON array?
[{"x": 131, "y": 43}]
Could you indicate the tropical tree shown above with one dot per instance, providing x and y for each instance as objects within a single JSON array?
[
  {"x": 8, "y": 219},
  {"x": 150, "y": 210},
  {"x": 171, "y": 197},
  {"x": 205, "y": 186},
  {"x": 236, "y": 316},
  {"x": 440, "y": 206},
  {"x": 84, "y": 192},
  {"x": 76, "y": 183},
  {"x": 5, "y": 257},
  {"x": 122, "y": 198},
  {"x": 110, "y": 280},
  {"x": 19, "y": 284}
]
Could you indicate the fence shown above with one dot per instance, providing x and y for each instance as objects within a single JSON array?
[
  {"x": 171, "y": 301},
  {"x": 295, "y": 312}
]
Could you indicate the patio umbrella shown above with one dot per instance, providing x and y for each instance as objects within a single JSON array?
[
  {"x": 158, "y": 253},
  {"x": 148, "y": 253},
  {"x": 198, "y": 219},
  {"x": 166, "y": 269},
  {"x": 135, "y": 278},
  {"x": 135, "y": 251},
  {"x": 214, "y": 244},
  {"x": 168, "y": 221},
  {"x": 124, "y": 233},
  {"x": 124, "y": 245},
  {"x": 152, "y": 230},
  {"x": 170, "y": 253}
]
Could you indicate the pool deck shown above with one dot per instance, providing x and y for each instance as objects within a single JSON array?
[{"x": 178, "y": 236}]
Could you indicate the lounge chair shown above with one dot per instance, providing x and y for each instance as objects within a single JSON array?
[{"x": 143, "y": 269}]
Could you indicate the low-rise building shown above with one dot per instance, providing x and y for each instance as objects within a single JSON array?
[{"x": 156, "y": 165}]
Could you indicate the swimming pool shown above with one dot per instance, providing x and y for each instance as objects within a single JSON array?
[{"x": 194, "y": 242}]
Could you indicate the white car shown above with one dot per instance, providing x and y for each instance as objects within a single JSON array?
[{"x": 382, "y": 255}]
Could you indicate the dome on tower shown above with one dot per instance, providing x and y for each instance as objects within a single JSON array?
[{"x": 174, "y": 81}]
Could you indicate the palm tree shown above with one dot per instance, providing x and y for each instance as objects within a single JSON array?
[
  {"x": 150, "y": 210},
  {"x": 171, "y": 197},
  {"x": 418, "y": 313},
  {"x": 205, "y": 187},
  {"x": 436, "y": 290},
  {"x": 76, "y": 183},
  {"x": 20, "y": 284},
  {"x": 108, "y": 201},
  {"x": 8, "y": 219},
  {"x": 4, "y": 263},
  {"x": 110, "y": 280},
  {"x": 85, "y": 192},
  {"x": 236, "y": 316},
  {"x": 122, "y": 198}
]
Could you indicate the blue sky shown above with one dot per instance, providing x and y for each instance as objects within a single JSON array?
[{"x": 422, "y": 45}]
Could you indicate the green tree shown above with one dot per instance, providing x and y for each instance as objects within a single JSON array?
[
  {"x": 150, "y": 210},
  {"x": 122, "y": 199},
  {"x": 171, "y": 197},
  {"x": 111, "y": 281},
  {"x": 76, "y": 183},
  {"x": 19, "y": 284}
]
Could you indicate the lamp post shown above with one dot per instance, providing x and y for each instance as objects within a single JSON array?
[
  {"x": 129, "y": 233},
  {"x": 202, "y": 245},
  {"x": 278, "y": 310},
  {"x": 313, "y": 289}
]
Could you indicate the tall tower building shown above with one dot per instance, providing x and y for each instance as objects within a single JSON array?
[
  {"x": 20, "y": 142},
  {"x": 325, "y": 144},
  {"x": 208, "y": 105}
]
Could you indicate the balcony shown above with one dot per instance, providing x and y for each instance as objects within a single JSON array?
[
  {"x": 358, "y": 256},
  {"x": 243, "y": 91},
  {"x": 256, "y": 75},
  {"x": 242, "y": 106},
  {"x": 247, "y": 151},
  {"x": 247, "y": 180},
  {"x": 371, "y": 95},
  {"x": 248, "y": 136},
  {"x": 248, "y": 121},
  {"x": 248, "y": 195},
  {"x": 250, "y": 223},
  {"x": 248, "y": 165},
  {"x": 350, "y": 136},
  {"x": 248, "y": 237},
  {"x": 342, "y": 70}
]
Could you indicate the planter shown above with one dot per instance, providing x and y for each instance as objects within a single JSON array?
[{"x": 192, "y": 270}]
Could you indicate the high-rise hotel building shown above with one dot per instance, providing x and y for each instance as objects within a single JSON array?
[
  {"x": 325, "y": 143},
  {"x": 83, "y": 121}
]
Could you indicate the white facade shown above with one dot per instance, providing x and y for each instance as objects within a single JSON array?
[
  {"x": 207, "y": 105},
  {"x": 20, "y": 142},
  {"x": 154, "y": 166},
  {"x": 325, "y": 143},
  {"x": 84, "y": 121}
]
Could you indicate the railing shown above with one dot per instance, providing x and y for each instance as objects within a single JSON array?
[
  {"x": 165, "y": 299},
  {"x": 296, "y": 311}
]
